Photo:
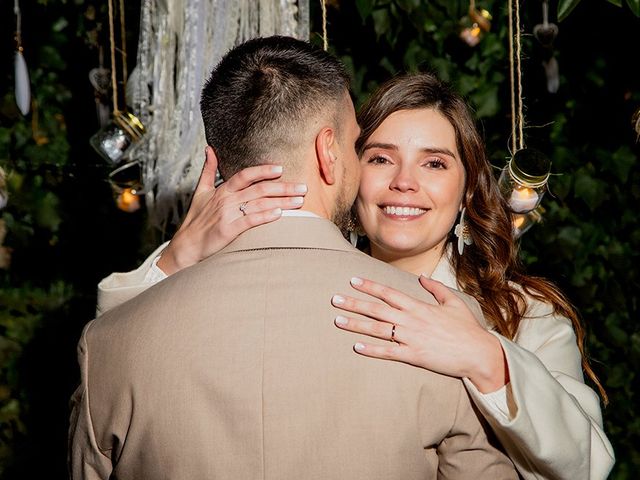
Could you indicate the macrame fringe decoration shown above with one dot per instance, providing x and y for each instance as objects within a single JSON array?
[
  {"x": 23, "y": 86},
  {"x": 180, "y": 42}
]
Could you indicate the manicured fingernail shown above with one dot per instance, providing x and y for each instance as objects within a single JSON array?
[
  {"x": 297, "y": 200},
  {"x": 277, "y": 169},
  {"x": 356, "y": 282},
  {"x": 277, "y": 212},
  {"x": 341, "y": 320},
  {"x": 337, "y": 300},
  {"x": 359, "y": 347},
  {"x": 301, "y": 188}
]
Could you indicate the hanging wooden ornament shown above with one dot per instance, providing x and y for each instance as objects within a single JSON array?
[
  {"x": 100, "y": 79},
  {"x": 546, "y": 32},
  {"x": 23, "y": 86},
  {"x": 475, "y": 24}
]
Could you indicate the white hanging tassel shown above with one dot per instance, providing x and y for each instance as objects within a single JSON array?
[{"x": 23, "y": 88}]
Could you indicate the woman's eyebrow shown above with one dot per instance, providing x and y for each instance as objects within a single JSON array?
[
  {"x": 444, "y": 151},
  {"x": 384, "y": 146}
]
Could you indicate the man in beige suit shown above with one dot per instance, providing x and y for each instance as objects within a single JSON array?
[{"x": 232, "y": 369}]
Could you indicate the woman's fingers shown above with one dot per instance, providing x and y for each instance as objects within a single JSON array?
[
  {"x": 398, "y": 353},
  {"x": 248, "y": 176},
  {"x": 268, "y": 204},
  {"x": 208, "y": 175},
  {"x": 440, "y": 292},
  {"x": 378, "y": 311},
  {"x": 270, "y": 189},
  {"x": 248, "y": 221},
  {"x": 372, "y": 328},
  {"x": 388, "y": 295}
]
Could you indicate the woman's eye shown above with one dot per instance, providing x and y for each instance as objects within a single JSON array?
[
  {"x": 435, "y": 163},
  {"x": 378, "y": 160}
]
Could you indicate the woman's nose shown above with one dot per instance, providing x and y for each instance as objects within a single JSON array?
[{"x": 404, "y": 181}]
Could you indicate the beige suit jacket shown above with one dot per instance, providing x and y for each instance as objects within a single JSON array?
[{"x": 233, "y": 369}]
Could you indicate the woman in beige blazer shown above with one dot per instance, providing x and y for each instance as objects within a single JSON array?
[{"x": 423, "y": 170}]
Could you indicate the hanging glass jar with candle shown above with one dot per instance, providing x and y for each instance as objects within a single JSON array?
[
  {"x": 114, "y": 140},
  {"x": 523, "y": 181}
]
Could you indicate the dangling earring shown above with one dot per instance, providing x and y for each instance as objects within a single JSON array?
[
  {"x": 462, "y": 232},
  {"x": 354, "y": 229}
]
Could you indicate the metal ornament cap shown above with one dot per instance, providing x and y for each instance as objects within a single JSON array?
[{"x": 530, "y": 167}]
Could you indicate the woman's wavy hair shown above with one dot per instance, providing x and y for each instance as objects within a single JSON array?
[{"x": 490, "y": 269}]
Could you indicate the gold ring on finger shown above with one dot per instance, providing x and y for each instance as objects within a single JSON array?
[{"x": 393, "y": 333}]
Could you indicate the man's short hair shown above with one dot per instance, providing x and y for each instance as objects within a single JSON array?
[{"x": 261, "y": 96}]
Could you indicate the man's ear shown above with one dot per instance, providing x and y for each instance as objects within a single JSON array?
[{"x": 326, "y": 158}]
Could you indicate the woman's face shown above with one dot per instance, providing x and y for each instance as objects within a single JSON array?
[{"x": 412, "y": 184}]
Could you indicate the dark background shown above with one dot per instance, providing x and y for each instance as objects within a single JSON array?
[{"x": 65, "y": 232}]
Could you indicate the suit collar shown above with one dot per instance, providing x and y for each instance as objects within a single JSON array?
[{"x": 292, "y": 232}]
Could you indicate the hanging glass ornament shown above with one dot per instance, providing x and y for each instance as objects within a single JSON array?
[
  {"x": 22, "y": 86},
  {"x": 523, "y": 182},
  {"x": 114, "y": 141},
  {"x": 522, "y": 222},
  {"x": 100, "y": 80},
  {"x": 127, "y": 186}
]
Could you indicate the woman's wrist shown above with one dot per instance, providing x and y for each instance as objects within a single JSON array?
[
  {"x": 490, "y": 371},
  {"x": 175, "y": 257}
]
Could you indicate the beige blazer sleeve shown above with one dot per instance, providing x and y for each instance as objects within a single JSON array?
[
  {"x": 86, "y": 460},
  {"x": 467, "y": 453},
  {"x": 555, "y": 429},
  {"x": 119, "y": 287}
]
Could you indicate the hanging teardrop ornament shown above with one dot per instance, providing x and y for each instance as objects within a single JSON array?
[
  {"x": 545, "y": 32},
  {"x": 23, "y": 86}
]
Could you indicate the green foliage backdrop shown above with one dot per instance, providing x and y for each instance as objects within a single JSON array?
[{"x": 65, "y": 233}]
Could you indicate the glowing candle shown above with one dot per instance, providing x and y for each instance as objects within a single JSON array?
[
  {"x": 128, "y": 201},
  {"x": 523, "y": 200}
]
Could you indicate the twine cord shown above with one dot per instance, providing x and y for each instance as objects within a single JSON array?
[
  {"x": 519, "y": 79},
  {"x": 325, "y": 41},
  {"x": 16, "y": 11},
  {"x": 123, "y": 40},
  {"x": 515, "y": 78}
]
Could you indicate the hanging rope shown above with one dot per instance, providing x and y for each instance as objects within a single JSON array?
[
  {"x": 16, "y": 11},
  {"x": 515, "y": 77},
  {"x": 325, "y": 41},
  {"x": 123, "y": 41}
]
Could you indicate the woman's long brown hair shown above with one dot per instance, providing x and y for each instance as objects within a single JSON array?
[{"x": 490, "y": 269}]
